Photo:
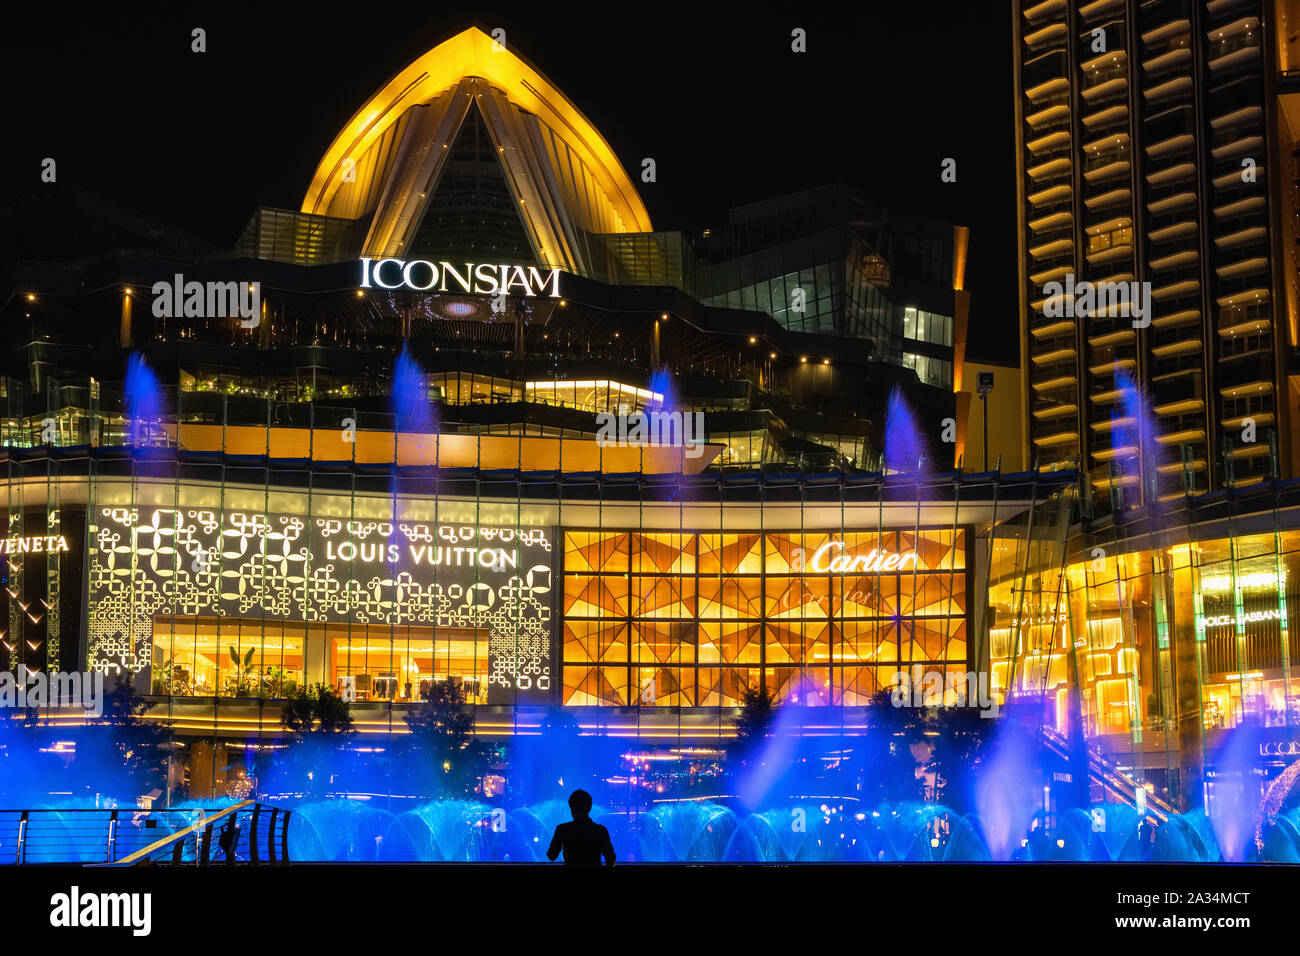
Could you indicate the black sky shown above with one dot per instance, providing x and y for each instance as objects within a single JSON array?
[{"x": 885, "y": 92}]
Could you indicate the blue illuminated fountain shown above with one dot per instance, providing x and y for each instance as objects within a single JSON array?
[
  {"x": 144, "y": 404},
  {"x": 1234, "y": 804},
  {"x": 906, "y": 451},
  {"x": 409, "y": 401},
  {"x": 1133, "y": 433},
  {"x": 1002, "y": 791}
]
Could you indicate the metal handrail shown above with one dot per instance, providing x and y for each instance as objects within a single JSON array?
[
  {"x": 177, "y": 840},
  {"x": 115, "y": 837}
]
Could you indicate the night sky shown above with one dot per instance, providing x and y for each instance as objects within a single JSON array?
[{"x": 730, "y": 114}]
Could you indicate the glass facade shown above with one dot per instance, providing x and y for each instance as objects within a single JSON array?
[
  {"x": 646, "y": 607},
  {"x": 825, "y": 284},
  {"x": 1173, "y": 640},
  {"x": 694, "y": 619}
]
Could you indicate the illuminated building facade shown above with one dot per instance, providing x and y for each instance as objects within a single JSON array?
[
  {"x": 283, "y": 509},
  {"x": 1154, "y": 145},
  {"x": 1152, "y": 148},
  {"x": 278, "y": 509}
]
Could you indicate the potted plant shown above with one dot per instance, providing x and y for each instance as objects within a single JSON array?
[{"x": 240, "y": 683}]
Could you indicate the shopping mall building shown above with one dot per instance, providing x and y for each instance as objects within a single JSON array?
[{"x": 386, "y": 470}]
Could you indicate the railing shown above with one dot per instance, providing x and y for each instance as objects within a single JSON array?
[{"x": 128, "y": 837}]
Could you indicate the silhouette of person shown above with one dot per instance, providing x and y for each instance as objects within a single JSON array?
[
  {"x": 229, "y": 839},
  {"x": 583, "y": 841}
]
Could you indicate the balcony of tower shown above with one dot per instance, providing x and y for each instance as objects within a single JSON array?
[
  {"x": 1166, "y": 31},
  {"x": 1179, "y": 205},
  {"x": 1175, "y": 59},
  {"x": 1241, "y": 209},
  {"x": 1061, "y": 446},
  {"x": 1038, "y": 13},
  {"x": 1052, "y": 224},
  {"x": 1109, "y": 119},
  {"x": 1109, "y": 203},
  {"x": 1091, "y": 12},
  {"x": 1247, "y": 371},
  {"x": 1162, "y": 93},
  {"x": 1231, "y": 186},
  {"x": 1106, "y": 160},
  {"x": 1107, "y": 342},
  {"x": 1235, "y": 45},
  {"x": 1043, "y": 328},
  {"x": 1241, "y": 309},
  {"x": 1046, "y": 38},
  {"x": 1177, "y": 348},
  {"x": 1104, "y": 79},
  {"x": 1053, "y": 417},
  {"x": 1049, "y": 146},
  {"x": 1236, "y": 144},
  {"x": 1041, "y": 171},
  {"x": 1179, "y": 231},
  {"x": 1054, "y": 249},
  {"x": 1052, "y": 116},
  {"x": 1051, "y": 198},
  {"x": 1052, "y": 271}
]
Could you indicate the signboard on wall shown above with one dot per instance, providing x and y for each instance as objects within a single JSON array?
[{"x": 146, "y": 563}]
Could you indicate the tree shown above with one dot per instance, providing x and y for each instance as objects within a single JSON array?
[
  {"x": 942, "y": 744},
  {"x": 319, "y": 721},
  {"x": 21, "y": 760},
  {"x": 890, "y": 762},
  {"x": 125, "y": 743},
  {"x": 757, "y": 714},
  {"x": 444, "y": 755},
  {"x": 317, "y": 709},
  {"x": 753, "y": 725}
]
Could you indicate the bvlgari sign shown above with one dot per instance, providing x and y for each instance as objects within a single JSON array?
[{"x": 482, "y": 278}]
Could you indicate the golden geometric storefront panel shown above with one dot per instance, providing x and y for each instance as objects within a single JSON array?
[{"x": 685, "y": 619}]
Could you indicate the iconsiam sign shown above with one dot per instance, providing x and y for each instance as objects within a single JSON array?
[{"x": 422, "y": 275}]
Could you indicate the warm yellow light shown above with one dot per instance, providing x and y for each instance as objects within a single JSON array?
[
  {"x": 803, "y": 358},
  {"x": 30, "y": 297},
  {"x": 470, "y": 54},
  {"x": 360, "y": 293},
  {"x": 826, "y": 361},
  {"x": 752, "y": 340},
  {"x": 772, "y": 356}
]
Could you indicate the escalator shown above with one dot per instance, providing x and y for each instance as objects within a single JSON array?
[{"x": 1114, "y": 784}]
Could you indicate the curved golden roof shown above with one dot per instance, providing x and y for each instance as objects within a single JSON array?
[{"x": 553, "y": 157}]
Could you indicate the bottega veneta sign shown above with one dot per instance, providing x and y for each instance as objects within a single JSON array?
[
  {"x": 422, "y": 275},
  {"x": 44, "y": 542}
]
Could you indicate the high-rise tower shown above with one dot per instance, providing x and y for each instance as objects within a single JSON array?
[{"x": 1153, "y": 146}]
